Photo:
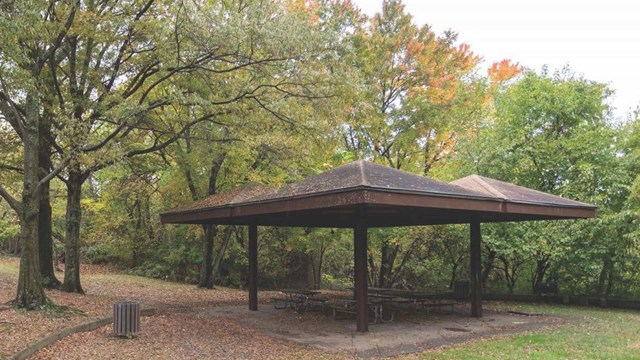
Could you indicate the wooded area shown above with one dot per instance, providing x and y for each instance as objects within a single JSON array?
[{"x": 112, "y": 111}]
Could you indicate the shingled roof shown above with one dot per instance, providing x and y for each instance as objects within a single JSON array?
[
  {"x": 366, "y": 175},
  {"x": 514, "y": 193},
  {"x": 390, "y": 197}
]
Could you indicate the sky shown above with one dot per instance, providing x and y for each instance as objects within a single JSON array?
[{"x": 597, "y": 39}]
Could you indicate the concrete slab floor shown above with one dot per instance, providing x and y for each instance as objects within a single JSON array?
[{"x": 407, "y": 333}]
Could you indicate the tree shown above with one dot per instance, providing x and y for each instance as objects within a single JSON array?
[
  {"x": 552, "y": 132},
  {"x": 417, "y": 95},
  {"x": 418, "y": 92},
  {"x": 133, "y": 60},
  {"x": 24, "y": 55}
]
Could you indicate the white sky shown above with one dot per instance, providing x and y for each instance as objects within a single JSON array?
[{"x": 599, "y": 39}]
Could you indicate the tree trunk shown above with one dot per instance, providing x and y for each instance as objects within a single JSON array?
[
  {"x": 509, "y": 274},
  {"x": 606, "y": 268},
  {"x": 318, "y": 275},
  {"x": 45, "y": 235},
  {"x": 223, "y": 249},
  {"x": 454, "y": 270},
  {"x": 45, "y": 241},
  {"x": 30, "y": 294},
  {"x": 541, "y": 269},
  {"x": 45, "y": 238},
  {"x": 384, "y": 264},
  {"x": 610, "y": 280},
  {"x": 488, "y": 266},
  {"x": 208, "y": 236},
  {"x": 72, "y": 238}
]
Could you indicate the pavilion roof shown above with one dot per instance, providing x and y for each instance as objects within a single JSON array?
[
  {"x": 514, "y": 193},
  {"x": 390, "y": 197}
]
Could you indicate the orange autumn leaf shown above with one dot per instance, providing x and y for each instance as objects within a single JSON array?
[{"x": 504, "y": 70}]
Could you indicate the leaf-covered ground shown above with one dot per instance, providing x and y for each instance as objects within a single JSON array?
[
  {"x": 173, "y": 333},
  {"x": 181, "y": 328}
]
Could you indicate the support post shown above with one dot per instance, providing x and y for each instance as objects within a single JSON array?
[
  {"x": 360, "y": 272},
  {"x": 253, "y": 267},
  {"x": 476, "y": 281}
]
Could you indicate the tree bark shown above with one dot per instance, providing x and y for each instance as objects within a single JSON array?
[
  {"x": 226, "y": 237},
  {"x": 30, "y": 294},
  {"x": 45, "y": 241},
  {"x": 208, "y": 236},
  {"x": 72, "y": 238},
  {"x": 488, "y": 266},
  {"x": 542, "y": 264},
  {"x": 384, "y": 264},
  {"x": 45, "y": 238},
  {"x": 606, "y": 268}
]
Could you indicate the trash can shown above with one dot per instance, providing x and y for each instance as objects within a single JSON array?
[{"x": 126, "y": 318}]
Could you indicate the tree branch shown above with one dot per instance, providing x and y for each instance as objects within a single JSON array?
[
  {"x": 11, "y": 167},
  {"x": 15, "y": 204},
  {"x": 54, "y": 173}
]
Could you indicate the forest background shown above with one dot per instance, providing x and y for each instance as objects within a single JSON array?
[{"x": 113, "y": 111}]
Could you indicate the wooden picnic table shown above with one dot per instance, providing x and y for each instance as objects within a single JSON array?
[
  {"x": 375, "y": 304},
  {"x": 298, "y": 299},
  {"x": 290, "y": 293},
  {"x": 419, "y": 299}
]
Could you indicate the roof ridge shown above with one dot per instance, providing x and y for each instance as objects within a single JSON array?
[
  {"x": 363, "y": 179},
  {"x": 485, "y": 185}
]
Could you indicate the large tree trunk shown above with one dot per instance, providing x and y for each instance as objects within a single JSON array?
[
  {"x": 45, "y": 241},
  {"x": 30, "y": 294},
  {"x": 45, "y": 238},
  {"x": 45, "y": 229},
  {"x": 209, "y": 230},
  {"x": 208, "y": 236},
  {"x": 72, "y": 237}
]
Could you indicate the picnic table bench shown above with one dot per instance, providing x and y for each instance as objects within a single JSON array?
[
  {"x": 423, "y": 300},
  {"x": 420, "y": 300},
  {"x": 299, "y": 300},
  {"x": 375, "y": 305}
]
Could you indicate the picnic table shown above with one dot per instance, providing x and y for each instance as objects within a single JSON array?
[
  {"x": 420, "y": 300},
  {"x": 349, "y": 307},
  {"x": 377, "y": 303},
  {"x": 298, "y": 299}
]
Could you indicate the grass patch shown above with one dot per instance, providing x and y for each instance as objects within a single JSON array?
[
  {"x": 8, "y": 267},
  {"x": 591, "y": 334},
  {"x": 55, "y": 310}
]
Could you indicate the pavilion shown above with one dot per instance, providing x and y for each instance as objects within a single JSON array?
[{"x": 361, "y": 195}]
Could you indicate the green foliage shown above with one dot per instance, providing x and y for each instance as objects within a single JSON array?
[
  {"x": 208, "y": 96},
  {"x": 552, "y": 132}
]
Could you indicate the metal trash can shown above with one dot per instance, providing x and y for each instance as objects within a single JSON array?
[{"x": 126, "y": 318}]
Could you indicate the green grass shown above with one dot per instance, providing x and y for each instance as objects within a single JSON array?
[
  {"x": 590, "y": 334},
  {"x": 7, "y": 268}
]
